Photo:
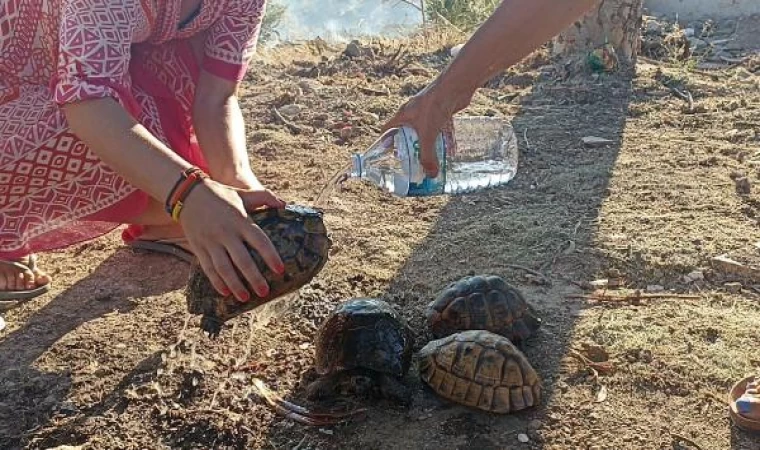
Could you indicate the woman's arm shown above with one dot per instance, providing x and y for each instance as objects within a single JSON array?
[
  {"x": 125, "y": 146},
  {"x": 515, "y": 29},
  {"x": 220, "y": 128},
  {"x": 214, "y": 218}
]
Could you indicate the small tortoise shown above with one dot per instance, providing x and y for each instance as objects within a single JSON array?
[
  {"x": 483, "y": 302},
  {"x": 481, "y": 370},
  {"x": 363, "y": 348},
  {"x": 300, "y": 237}
]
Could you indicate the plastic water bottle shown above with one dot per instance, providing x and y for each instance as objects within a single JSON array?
[{"x": 473, "y": 153}]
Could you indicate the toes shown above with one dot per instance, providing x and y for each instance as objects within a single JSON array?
[{"x": 39, "y": 278}]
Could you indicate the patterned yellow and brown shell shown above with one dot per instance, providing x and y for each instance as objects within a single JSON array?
[
  {"x": 483, "y": 302},
  {"x": 481, "y": 370},
  {"x": 300, "y": 237}
]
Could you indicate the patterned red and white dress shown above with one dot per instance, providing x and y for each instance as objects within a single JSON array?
[{"x": 54, "y": 191}]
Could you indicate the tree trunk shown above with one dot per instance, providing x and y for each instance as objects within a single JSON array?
[{"x": 613, "y": 22}]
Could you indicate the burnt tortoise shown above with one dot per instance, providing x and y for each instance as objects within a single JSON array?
[
  {"x": 482, "y": 302},
  {"x": 300, "y": 237},
  {"x": 363, "y": 348},
  {"x": 482, "y": 370}
]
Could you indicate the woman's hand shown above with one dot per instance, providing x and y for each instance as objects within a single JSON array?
[
  {"x": 428, "y": 113},
  {"x": 516, "y": 28},
  {"x": 216, "y": 224}
]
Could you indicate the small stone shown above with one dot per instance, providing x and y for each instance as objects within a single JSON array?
[
  {"x": 371, "y": 117},
  {"x": 733, "y": 288},
  {"x": 654, "y": 28},
  {"x": 697, "y": 44},
  {"x": 354, "y": 49},
  {"x": 522, "y": 437},
  {"x": 304, "y": 346},
  {"x": 2, "y": 323},
  {"x": 688, "y": 32},
  {"x": 309, "y": 86},
  {"x": 743, "y": 186},
  {"x": 326, "y": 431},
  {"x": 346, "y": 133},
  {"x": 455, "y": 50},
  {"x": 290, "y": 110},
  {"x": 595, "y": 141},
  {"x": 655, "y": 288},
  {"x": 535, "y": 424},
  {"x": 696, "y": 275}
]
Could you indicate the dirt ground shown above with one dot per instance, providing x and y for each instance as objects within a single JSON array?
[{"x": 110, "y": 359}]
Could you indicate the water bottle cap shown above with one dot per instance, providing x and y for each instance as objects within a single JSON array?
[{"x": 356, "y": 165}]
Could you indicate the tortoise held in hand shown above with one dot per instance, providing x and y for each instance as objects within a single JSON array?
[
  {"x": 481, "y": 370},
  {"x": 363, "y": 348},
  {"x": 300, "y": 237},
  {"x": 483, "y": 302}
]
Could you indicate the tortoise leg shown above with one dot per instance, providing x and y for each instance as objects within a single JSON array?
[
  {"x": 393, "y": 389},
  {"x": 324, "y": 387}
]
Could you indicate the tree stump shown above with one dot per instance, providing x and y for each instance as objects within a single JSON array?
[{"x": 614, "y": 23}]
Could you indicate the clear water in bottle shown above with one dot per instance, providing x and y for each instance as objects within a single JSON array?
[{"x": 474, "y": 153}]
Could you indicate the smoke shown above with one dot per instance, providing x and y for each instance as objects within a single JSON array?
[{"x": 343, "y": 20}]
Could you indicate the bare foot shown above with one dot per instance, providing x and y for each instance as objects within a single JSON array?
[{"x": 13, "y": 278}]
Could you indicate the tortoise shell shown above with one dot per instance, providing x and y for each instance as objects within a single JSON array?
[
  {"x": 364, "y": 333},
  {"x": 300, "y": 237},
  {"x": 483, "y": 302},
  {"x": 482, "y": 370}
]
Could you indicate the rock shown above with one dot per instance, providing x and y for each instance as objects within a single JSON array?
[
  {"x": 743, "y": 186},
  {"x": 310, "y": 86},
  {"x": 346, "y": 133},
  {"x": 697, "y": 44},
  {"x": 733, "y": 288},
  {"x": 655, "y": 288},
  {"x": 688, "y": 32},
  {"x": 455, "y": 50},
  {"x": 371, "y": 118},
  {"x": 2, "y": 323},
  {"x": 353, "y": 49},
  {"x": 696, "y": 275},
  {"x": 654, "y": 28},
  {"x": 522, "y": 437},
  {"x": 290, "y": 110},
  {"x": 595, "y": 141}
]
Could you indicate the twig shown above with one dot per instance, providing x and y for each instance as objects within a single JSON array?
[
  {"x": 686, "y": 96},
  {"x": 715, "y": 397},
  {"x": 596, "y": 368},
  {"x": 685, "y": 439},
  {"x": 299, "y": 413},
  {"x": 636, "y": 296},
  {"x": 291, "y": 126},
  {"x": 527, "y": 269},
  {"x": 525, "y": 136},
  {"x": 370, "y": 91}
]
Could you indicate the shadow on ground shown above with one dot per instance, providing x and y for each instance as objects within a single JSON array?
[
  {"x": 544, "y": 220},
  {"x": 30, "y": 397}
]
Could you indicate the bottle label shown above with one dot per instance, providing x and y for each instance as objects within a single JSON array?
[{"x": 421, "y": 185}]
